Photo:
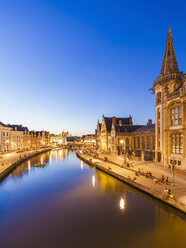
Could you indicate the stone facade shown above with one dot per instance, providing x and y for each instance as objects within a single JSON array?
[
  {"x": 103, "y": 131},
  {"x": 4, "y": 137},
  {"x": 16, "y": 137},
  {"x": 170, "y": 111},
  {"x": 120, "y": 136}
]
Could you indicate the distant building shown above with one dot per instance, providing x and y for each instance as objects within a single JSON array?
[
  {"x": 56, "y": 140},
  {"x": 89, "y": 139},
  {"x": 5, "y": 137},
  {"x": 70, "y": 140},
  {"x": 16, "y": 136}
]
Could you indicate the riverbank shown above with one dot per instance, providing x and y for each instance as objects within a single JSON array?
[
  {"x": 142, "y": 183},
  {"x": 10, "y": 161}
]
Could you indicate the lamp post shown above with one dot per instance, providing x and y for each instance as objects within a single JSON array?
[{"x": 173, "y": 167}]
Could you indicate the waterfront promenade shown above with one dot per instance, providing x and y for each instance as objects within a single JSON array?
[
  {"x": 114, "y": 166},
  {"x": 10, "y": 160}
]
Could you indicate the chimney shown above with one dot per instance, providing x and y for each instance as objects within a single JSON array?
[
  {"x": 149, "y": 122},
  {"x": 130, "y": 120},
  {"x": 114, "y": 120}
]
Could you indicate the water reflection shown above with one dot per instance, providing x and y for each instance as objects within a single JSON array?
[
  {"x": 29, "y": 167},
  {"x": 57, "y": 194},
  {"x": 122, "y": 204},
  {"x": 82, "y": 166},
  {"x": 93, "y": 181}
]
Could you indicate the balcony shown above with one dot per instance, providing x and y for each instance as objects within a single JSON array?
[{"x": 173, "y": 95}]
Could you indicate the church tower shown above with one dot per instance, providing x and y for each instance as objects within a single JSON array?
[{"x": 170, "y": 111}]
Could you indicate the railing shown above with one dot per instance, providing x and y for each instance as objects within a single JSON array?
[{"x": 173, "y": 95}]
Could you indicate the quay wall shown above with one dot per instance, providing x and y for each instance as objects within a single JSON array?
[
  {"x": 171, "y": 202},
  {"x": 6, "y": 172}
]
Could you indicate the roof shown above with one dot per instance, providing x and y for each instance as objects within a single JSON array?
[
  {"x": 146, "y": 128},
  {"x": 88, "y": 136},
  {"x": 70, "y": 138},
  {"x": 2, "y": 124},
  {"x": 18, "y": 127},
  {"x": 127, "y": 128},
  {"x": 108, "y": 121}
]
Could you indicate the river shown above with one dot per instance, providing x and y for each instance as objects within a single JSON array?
[{"x": 70, "y": 204}]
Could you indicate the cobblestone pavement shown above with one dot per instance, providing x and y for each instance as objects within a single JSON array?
[{"x": 178, "y": 190}]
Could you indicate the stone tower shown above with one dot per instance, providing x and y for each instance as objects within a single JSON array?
[{"x": 170, "y": 111}]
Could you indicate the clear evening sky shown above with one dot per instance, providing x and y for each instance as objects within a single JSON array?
[{"x": 64, "y": 63}]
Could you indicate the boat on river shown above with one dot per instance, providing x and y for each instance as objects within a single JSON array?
[{"x": 39, "y": 165}]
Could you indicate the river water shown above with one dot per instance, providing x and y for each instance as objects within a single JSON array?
[{"x": 70, "y": 204}]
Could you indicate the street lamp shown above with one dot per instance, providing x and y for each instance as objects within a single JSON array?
[{"x": 173, "y": 168}]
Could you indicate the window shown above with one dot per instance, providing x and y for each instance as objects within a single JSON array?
[
  {"x": 138, "y": 142},
  {"x": 180, "y": 115},
  {"x": 143, "y": 142},
  {"x": 176, "y": 116},
  {"x": 134, "y": 142},
  {"x": 158, "y": 98},
  {"x": 153, "y": 143},
  {"x": 148, "y": 142},
  {"x": 177, "y": 143},
  {"x": 127, "y": 141},
  {"x": 158, "y": 114}
]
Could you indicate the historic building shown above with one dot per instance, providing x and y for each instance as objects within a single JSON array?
[
  {"x": 170, "y": 111},
  {"x": 122, "y": 137},
  {"x": 4, "y": 137},
  {"x": 55, "y": 139},
  {"x": 16, "y": 136},
  {"x": 103, "y": 131},
  {"x": 35, "y": 139},
  {"x": 88, "y": 139}
]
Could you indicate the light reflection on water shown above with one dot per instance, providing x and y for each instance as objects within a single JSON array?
[
  {"x": 50, "y": 206},
  {"x": 122, "y": 204},
  {"x": 93, "y": 181}
]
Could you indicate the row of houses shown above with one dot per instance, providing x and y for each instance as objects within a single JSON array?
[
  {"x": 65, "y": 139},
  {"x": 17, "y": 137},
  {"x": 165, "y": 141}
]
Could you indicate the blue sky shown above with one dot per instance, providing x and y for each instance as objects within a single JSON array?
[{"x": 64, "y": 63}]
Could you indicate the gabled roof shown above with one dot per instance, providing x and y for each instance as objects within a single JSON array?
[{"x": 108, "y": 121}]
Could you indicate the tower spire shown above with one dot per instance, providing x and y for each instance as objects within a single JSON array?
[{"x": 170, "y": 64}]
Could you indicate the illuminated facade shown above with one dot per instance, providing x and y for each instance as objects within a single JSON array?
[
  {"x": 16, "y": 137},
  {"x": 103, "y": 131},
  {"x": 4, "y": 137},
  {"x": 89, "y": 139},
  {"x": 170, "y": 111}
]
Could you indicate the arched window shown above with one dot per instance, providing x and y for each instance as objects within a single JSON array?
[{"x": 158, "y": 98}]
